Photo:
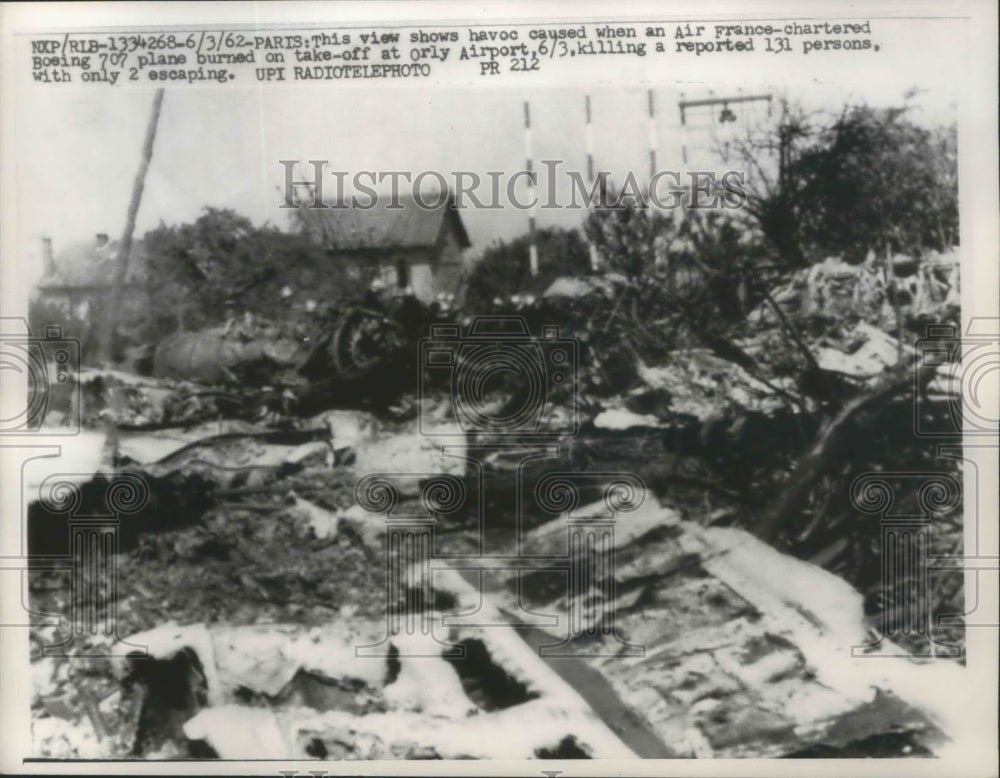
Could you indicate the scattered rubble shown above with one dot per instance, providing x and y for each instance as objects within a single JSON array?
[
  {"x": 257, "y": 570},
  {"x": 313, "y": 693},
  {"x": 867, "y": 353},
  {"x": 745, "y": 651}
]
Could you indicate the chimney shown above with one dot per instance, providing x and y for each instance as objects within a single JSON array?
[{"x": 48, "y": 263}]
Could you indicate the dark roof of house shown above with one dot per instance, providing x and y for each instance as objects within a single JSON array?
[
  {"x": 86, "y": 265},
  {"x": 382, "y": 227}
]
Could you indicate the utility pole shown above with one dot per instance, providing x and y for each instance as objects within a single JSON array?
[
  {"x": 595, "y": 258},
  {"x": 653, "y": 134},
  {"x": 125, "y": 248},
  {"x": 532, "y": 245}
]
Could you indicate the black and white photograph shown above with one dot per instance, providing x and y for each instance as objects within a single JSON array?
[{"x": 386, "y": 382}]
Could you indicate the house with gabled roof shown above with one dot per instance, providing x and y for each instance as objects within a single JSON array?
[
  {"x": 408, "y": 243},
  {"x": 78, "y": 277}
]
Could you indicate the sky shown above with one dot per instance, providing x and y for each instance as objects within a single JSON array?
[{"x": 220, "y": 147}]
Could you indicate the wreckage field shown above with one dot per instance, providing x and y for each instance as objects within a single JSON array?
[
  {"x": 677, "y": 482},
  {"x": 319, "y": 547}
]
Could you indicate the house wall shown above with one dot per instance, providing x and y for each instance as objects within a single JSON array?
[
  {"x": 419, "y": 265},
  {"x": 450, "y": 267},
  {"x": 422, "y": 281},
  {"x": 432, "y": 271}
]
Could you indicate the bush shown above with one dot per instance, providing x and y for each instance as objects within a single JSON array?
[{"x": 504, "y": 271}]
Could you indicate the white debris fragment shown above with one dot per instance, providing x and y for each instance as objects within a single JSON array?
[
  {"x": 82, "y": 453},
  {"x": 698, "y": 744},
  {"x": 347, "y": 428},
  {"x": 425, "y": 453},
  {"x": 369, "y": 526},
  {"x": 877, "y": 352},
  {"x": 60, "y": 738},
  {"x": 238, "y": 732},
  {"x": 323, "y": 523},
  {"x": 317, "y": 451},
  {"x": 169, "y": 639},
  {"x": 427, "y": 682},
  {"x": 623, "y": 419}
]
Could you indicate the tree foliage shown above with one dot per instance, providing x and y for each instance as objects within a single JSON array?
[
  {"x": 221, "y": 264},
  {"x": 877, "y": 182},
  {"x": 866, "y": 180},
  {"x": 504, "y": 271},
  {"x": 703, "y": 262}
]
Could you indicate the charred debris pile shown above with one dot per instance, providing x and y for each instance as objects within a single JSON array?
[
  {"x": 759, "y": 411},
  {"x": 752, "y": 391},
  {"x": 252, "y": 439}
]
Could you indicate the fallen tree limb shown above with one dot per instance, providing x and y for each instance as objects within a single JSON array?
[
  {"x": 659, "y": 478},
  {"x": 823, "y": 456}
]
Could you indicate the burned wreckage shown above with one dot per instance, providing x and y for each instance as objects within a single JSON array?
[
  {"x": 353, "y": 537},
  {"x": 361, "y": 355}
]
